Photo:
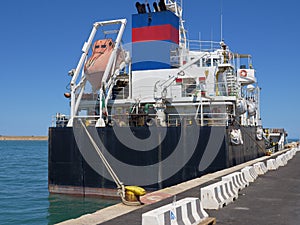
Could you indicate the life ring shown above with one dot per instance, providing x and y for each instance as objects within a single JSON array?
[{"x": 243, "y": 73}]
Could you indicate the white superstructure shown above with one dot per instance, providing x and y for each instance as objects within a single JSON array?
[{"x": 207, "y": 84}]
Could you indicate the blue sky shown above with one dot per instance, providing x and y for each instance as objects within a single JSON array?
[{"x": 41, "y": 41}]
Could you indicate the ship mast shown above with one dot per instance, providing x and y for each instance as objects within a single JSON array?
[{"x": 221, "y": 21}]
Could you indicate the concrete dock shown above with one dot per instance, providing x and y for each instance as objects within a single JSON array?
[{"x": 274, "y": 198}]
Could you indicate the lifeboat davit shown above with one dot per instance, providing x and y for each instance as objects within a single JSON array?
[{"x": 96, "y": 64}]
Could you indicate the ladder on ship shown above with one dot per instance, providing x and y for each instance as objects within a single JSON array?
[{"x": 231, "y": 83}]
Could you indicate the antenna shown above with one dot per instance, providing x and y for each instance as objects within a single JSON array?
[
  {"x": 221, "y": 8},
  {"x": 199, "y": 40}
]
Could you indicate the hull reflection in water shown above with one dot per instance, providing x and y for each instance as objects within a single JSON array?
[{"x": 65, "y": 207}]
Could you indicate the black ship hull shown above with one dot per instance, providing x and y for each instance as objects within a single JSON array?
[{"x": 182, "y": 153}]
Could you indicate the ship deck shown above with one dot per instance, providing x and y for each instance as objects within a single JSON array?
[{"x": 272, "y": 199}]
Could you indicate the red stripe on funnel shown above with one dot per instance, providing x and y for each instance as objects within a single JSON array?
[{"x": 156, "y": 33}]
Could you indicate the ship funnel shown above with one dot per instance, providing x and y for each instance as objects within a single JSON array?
[{"x": 155, "y": 41}]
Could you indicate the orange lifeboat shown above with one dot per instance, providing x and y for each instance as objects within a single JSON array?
[{"x": 96, "y": 64}]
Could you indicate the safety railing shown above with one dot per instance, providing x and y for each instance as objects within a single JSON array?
[
  {"x": 211, "y": 89},
  {"x": 136, "y": 120},
  {"x": 188, "y": 90},
  {"x": 222, "y": 88},
  {"x": 173, "y": 120},
  {"x": 202, "y": 119},
  {"x": 59, "y": 120},
  {"x": 205, "y": 46}
]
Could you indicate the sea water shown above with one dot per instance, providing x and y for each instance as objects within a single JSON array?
[{"x": 24, "y": 197}]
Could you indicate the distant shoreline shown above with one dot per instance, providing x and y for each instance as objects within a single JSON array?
[{"x": 23, "y": 138}]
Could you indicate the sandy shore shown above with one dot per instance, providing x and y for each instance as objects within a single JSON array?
[{"x": 23, "y": 138}]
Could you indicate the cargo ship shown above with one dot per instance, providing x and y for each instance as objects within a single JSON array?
[{"x": 156, "y": 112}]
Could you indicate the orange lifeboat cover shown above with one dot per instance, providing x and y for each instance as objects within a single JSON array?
[{"x": 96, "y": 64}]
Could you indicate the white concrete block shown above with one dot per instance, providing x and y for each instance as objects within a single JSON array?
[
  {"x": 248, "y": 174},
  {"x": 272, "y": 164},
  {"x": 188, "y": 211},
  {"x": 260, "y": 168},
  {"x": 235, "y": 178},
  {"x": 280, "y": 161},
  {"x": 212, "y": 196}
]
